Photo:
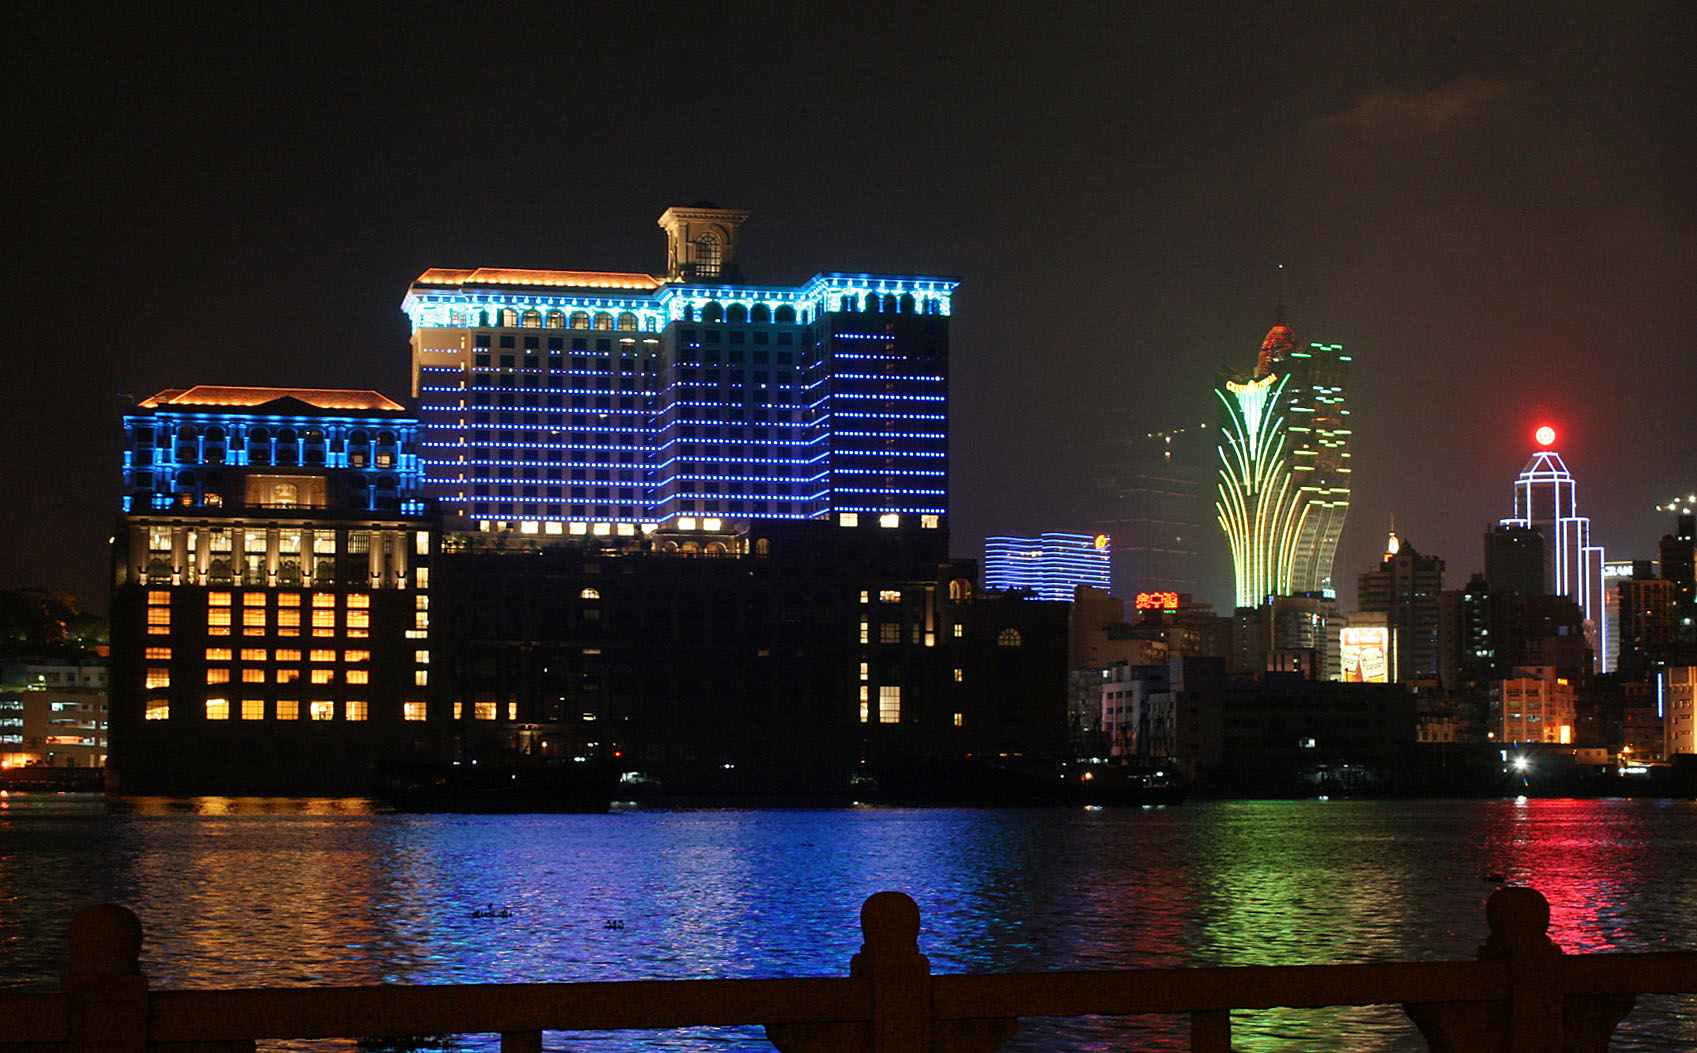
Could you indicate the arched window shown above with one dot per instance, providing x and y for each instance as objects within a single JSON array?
[
  {"x": 627, "y": 322},
  {"x": 556, "y": 320},
  {"x": 288, "y": 452},
  {"x": 907, "y": 303},
  {"x": 603, "y": 320},
  {"x": 760, "y": 313},
  {"x": 531, "y": 320},
  {"x": 762, "y": 546},
  {"x": 689, "y": 312},
  {"x": 890, "y": 303},
  {"x": 589, "y": 594},
  {"x": 713, "y": 549},
  {"x": 736, "y": 312},
  {"x": 580, "y": 320},
  {"x": 359, "y": 495},
  {"x": 359, "y": 450},
  {"x": 258, "y": 446},
  {"x": 1007, "y": 638},
  {"x": 709, "y": 255},
  {"x": 960, "y": 590},
  {"x": 314, "y": 453},
  {"x": 509, "y": 317},
  {"x": 712, "y": 312},
  {"x": 785, "y": 315}
]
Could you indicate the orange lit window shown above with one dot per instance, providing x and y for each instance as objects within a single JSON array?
[
  {"x": 159, "y": 616},
  {"x": 320, "y": 655},
  {"x": 289, "y": 619},
  {"x": 158, "y": 654},
  {"x": 285, "y": 654},
  {"x": 158, "y": 597},
  {"x": 324, "y": 599},
  {"x": 412, "y": 710},
  {"x": 217, "y": 599},
  {"x": 512, "y": 710},
  {"x": 288, "y": 676},
  {"x": 322, "y": 710},
  {"x": 217, "y": 676},
  {"x": 483, "y": 710},
  {"x": 253, "y": 654},
  {"x": 356, "y": 656},
  {"x": 157, "y": 709},
  {"x": 217, "y": 616},
  {"x": 359, "y": 619},
  {"x": 158, "y": 678},
  {"x": 218, "y": 654},
  {"x": 358, "y": 676},
  {"x": 359, "y": 599},
  {"x": 253, "y": 617},
  {"x": 421, "y": 678},
  {"x": 421, "y": 657},
  {"x": 288, "y": 709},
  {"x": 323, "y": 676},
  {"x": 323, "y": 619},
  {"x": 253, "y": 599},
  {"x": 217, "y": 709},
  {"x": 253, "y": 676},
  {"x": 354, "y": 709},
  {"x": 253, "y": 709}
]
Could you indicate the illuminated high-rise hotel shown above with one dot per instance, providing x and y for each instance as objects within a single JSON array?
[
  {"x": 571, "y": 402},
  {"x": 1545, "y": 501},
  {"x": 1284, "y": 468}
]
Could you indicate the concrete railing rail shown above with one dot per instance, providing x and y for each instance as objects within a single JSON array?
[{"x": 1523, "y": 995}]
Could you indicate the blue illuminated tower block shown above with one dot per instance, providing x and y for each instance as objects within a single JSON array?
[{"x": 571, "y": 402}]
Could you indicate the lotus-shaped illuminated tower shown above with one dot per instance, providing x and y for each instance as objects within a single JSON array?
[{"x": 1284, "y": 468}]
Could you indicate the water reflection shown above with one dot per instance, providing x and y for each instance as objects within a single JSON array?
[{"x": 239, "y": 892}]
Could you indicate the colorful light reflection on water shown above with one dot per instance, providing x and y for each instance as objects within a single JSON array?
[{"x": 248, "y": 893}]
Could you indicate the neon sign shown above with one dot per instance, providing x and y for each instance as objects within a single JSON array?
[{"x": 1157, "y": 601}]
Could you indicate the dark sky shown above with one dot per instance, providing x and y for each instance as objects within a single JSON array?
[{"x": 1490, "y": 205}]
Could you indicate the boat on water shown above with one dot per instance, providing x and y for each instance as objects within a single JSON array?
[{"x": 499, "y": 790}]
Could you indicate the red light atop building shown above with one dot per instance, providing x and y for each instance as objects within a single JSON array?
[{"x": 1545, "y": 435}]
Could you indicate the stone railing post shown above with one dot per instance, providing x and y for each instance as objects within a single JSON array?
[
  {"x": 900, "y": 975},
  {"x": 107, "y": 991},
  {"x": 1537, "y": 1018}
]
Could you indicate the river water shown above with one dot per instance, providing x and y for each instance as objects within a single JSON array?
[{"x": 239, "y": 893}]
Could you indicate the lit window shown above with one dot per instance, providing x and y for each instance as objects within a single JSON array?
[
  {"x": 589, "y": 594},
  {"x": 459, "y": 708},
  {"x": 288, "y": 709},
  {"x": 848, "y": 519},
  {"x": 354, "y": 709},
  {"x": 359, "y": 619},
  {"x": 889, "y": 596},
  {"x": 865, "y": 671},
  {"x": 217, "y": 676},
  {"x": 1007, "y": 638},
  {"x": 322, "y": 655},
  {"x": 219, "y": 617},
  {"x": 322, "y": 710},
  {"x": 865, "y": 597},
  {"x": 217, "y": 709},
  {"x": 159, "y": 621},
  {"x": 889, "y": 704},
  {"x": 421, "y": 543},
  {"x": 253, "y": 599},
  {"x": 421, "y": 575},
  {"x": 865, "y": 631},
  {"x": 512, "y": 710},
  {"x": 218, "y": 654},
  {"x": 960, "y": 630},
  {"x": 253, "y": 676},
  {"x": 289, "y": 621},
  {"x": 323, "y": 620},
  {"x": 356, "y": 656},
  {"x": 158, "y": 654},
  {"x": 285, "y": 654},
  {"x": 254, "y": 618},
  {"x": 958, "y": 720},
  {"x": 412, "y": 710},
  {"x": 216, "y": 599},
  {"x": 889, "y": 520},
  {"x": 960, "y": 675},
  {"x": 253, "y": 709},
  {"x": 483, "y": 710},
  {"x": 324, "y": 599},
  {"x": 421, "y": 678},
  {"x": 159, "y": 678},
  {"x": 358, "y": 676},
  {"x": 323, "y": 676},
  {"x": 289, "y": 599},
  {"x": 930, "y": 522},
  {"x": 359, "y": 599},
  {"x": 253, "y": 654},
  {"x": 157, "y": 709}
]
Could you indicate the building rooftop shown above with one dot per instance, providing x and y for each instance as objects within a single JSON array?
[
  {"x": 318, "y": 398},
  {"x": 511, "y": 276}
]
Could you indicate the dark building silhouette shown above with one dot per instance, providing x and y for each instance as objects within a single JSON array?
[
  {"x": 1405, "y": 588},
  {"x": 1514, "y": 560}
]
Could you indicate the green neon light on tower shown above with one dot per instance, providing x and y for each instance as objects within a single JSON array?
[{"x": 1259, "y": 507}]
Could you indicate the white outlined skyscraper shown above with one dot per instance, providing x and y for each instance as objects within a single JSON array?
[{"x": 1545, "y": 501}]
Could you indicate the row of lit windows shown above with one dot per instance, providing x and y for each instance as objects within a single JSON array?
[{"x": 255, "y": 709}]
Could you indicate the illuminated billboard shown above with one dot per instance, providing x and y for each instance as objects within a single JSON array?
[
  {"x": 1157, "y": 601},
  {"x": 1366, "y": 654}
]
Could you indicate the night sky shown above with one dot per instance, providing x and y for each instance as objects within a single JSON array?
[{"x": 1490, "y": 205}]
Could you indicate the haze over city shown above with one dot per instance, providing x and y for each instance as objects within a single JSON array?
[{"x": 1491, "y": 209}]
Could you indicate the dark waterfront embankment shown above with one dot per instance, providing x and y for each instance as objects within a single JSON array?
[{"x": 255, "y": 892}]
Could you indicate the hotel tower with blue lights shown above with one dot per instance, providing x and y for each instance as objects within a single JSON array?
[
  {"x": 1050, "y": 566},
  {"x": 575, "y": 402}
]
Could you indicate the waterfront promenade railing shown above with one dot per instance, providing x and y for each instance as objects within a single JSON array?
[{"x": 1522, "y": 995}]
